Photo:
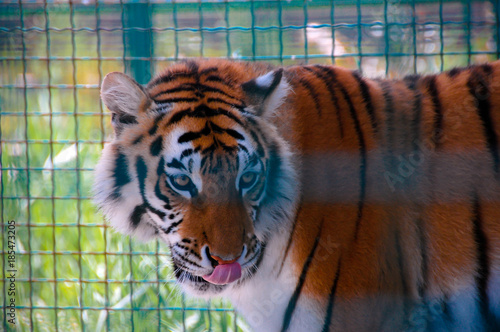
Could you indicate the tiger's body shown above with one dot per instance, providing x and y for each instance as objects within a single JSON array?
[{"x": 313, "y": 198}]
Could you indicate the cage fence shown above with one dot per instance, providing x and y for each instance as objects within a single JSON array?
[{"x": 73, "y": 273}]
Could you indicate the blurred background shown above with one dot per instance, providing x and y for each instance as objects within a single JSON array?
[{"x": 74, "y": 273}]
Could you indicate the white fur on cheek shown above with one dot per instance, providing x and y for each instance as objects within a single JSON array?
[{"x": 118, "y": 211}]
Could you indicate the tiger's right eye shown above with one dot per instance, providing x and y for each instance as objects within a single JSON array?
[{"x": 248, "y": 179}]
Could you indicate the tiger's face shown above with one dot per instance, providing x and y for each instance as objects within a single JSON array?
[
  {"x": 191, "y": 164},
  {"x": 210, "y": 181}
]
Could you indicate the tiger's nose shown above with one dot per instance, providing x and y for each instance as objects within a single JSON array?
[
  {"x": 222, "y": 261},
  {"x": 218, "y": 260}
]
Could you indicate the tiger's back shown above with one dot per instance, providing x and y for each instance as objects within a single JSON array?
[
  {"x": 415, "y": 219},
  {"x": 375, "y": 203}
]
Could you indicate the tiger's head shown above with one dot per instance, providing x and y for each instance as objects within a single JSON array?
[{"x": 196, "y": 161}]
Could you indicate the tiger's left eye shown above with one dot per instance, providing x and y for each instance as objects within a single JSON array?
[
  {"x": 248, "y": 179},
  {"x": 181, "y": 182}
]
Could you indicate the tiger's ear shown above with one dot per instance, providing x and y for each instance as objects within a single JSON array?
[
  {"x": 266, "y": 93},
  {"x": 125, "y": 98}
]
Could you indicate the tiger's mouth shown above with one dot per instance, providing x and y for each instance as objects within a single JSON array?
[{"x": 222, "y": 276}]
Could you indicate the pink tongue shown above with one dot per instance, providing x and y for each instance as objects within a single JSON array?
[{"x": 224, "y": 274}]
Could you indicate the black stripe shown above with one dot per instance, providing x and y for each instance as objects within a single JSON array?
[
  {"x": 362, "y": 148},
  {"x": 298, "y": 289},
  {"x": 156, "y": 146},
  {"x": 412, "y": 84},
  {"x": 188, "y": 137},
  {"x": 154, "y": 128},
  {"x": 331, "y": 299},
  {"x": 162, "y": 197},
  {"x": 438, "y": 113},
  {"x": 367, "y": 99},
  {"x": 313, "y": 94},
  {"x": 390, "y": 158},
  {"x": 138, "y": 140},
  {"x": 454, "y": 72},
  {"x": 228, "y": 148},
  {"x": 158, "y": 213},
  {"x": 260, "y": 149},
  {"x": 137, "y": 214},
  {"x": 178, "y": 116},
  {"x": 181, "y": 271},
  {"x": 142, "y": 172},
  {"x": 210, "y": 126},
  {"x": 401, "y": 268},
  {"x": 253, "y": 160},
  {"x": 255, "y": 267},
  {"x": 192, "y": 135},
  {"x": 200, "y": 88},
  {"x": 235, "y": 134},
  {"x": 333, "y": 96},
  {"x": 289, "y": 242},
  {"x": 483, "y": 265},
  {"x": 206, "y": 88},
  {"x": 236, "y": 166},
  {"x": 203, "y": 111},
  {"x": 160, "y": 171},
  {"x": 478, "y": 88},
  {"x": 389, "y": 111},
  {"x": 208, "y": 70},
  {"x": 186, "y": 153},
  {"x": 192, "y": 65},
  {"x": 230, "y": 115},
  {"x": 243, "y": 148},
  {"x": 120, "y": 174},
  {"x": 161, "y": 167},
  {"x": 169, "y": 78},
  {"x": 176, "y": 164},
  {"x": 175, "y": 100},
  {"x": 180, "y": 88},
  {"x": 123, "y": 118},
  {"x": 204, "y": 164},
  {"x": 183, "y": 256},
  {"x": 172, "y": 226},
  {"x": 424, "y": 265},
  {"x": 240, "y": 107},
  {"x": 215, "y": 78}
]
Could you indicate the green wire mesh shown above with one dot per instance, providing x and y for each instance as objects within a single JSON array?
[{"x": 73, "y": 273}]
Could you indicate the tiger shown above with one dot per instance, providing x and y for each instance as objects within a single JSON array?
[{"x": 312, "y": 197}]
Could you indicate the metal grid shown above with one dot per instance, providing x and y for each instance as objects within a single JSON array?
[{"x": 73, "y": 272}]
